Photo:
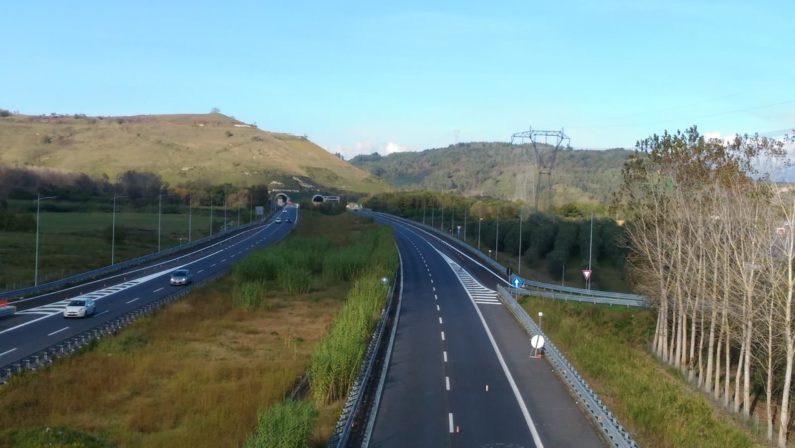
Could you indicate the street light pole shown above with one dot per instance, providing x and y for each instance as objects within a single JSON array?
[
  {"x": 190, "y": 217},
  {"x": 480, "y": 220},
  {"x": 465, "y": 224},
  {"x": 519, "y": 262},
  {"x": 113, "y": 231},
  {"x": 497, "y": 237},
  {"x": 590, "y": 253},
  {"x": 38, "y": 212},
  {"x": 159, "y": 214}
]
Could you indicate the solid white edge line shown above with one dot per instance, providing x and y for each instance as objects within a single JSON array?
[
  {"x": 387, "y": 357},
  {"x": 528, "y": 419}
]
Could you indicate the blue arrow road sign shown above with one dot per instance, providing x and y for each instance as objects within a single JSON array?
[{"x": 517, "y": 283}]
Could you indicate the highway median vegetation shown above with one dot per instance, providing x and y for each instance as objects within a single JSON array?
[{"x": 207, "y": 370}]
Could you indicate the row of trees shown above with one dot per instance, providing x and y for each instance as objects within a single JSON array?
[
  {"x": 713, "y": 246},
  {"x": 138, "y": 188},
  {"x": 553, "y": 239}
]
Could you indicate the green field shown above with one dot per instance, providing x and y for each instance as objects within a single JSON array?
[
  {"x": 608, "y": 347},
  {"x": 74, "y": 242}
]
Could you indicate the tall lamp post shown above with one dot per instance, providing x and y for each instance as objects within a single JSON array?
[
  {"x": 113, "y": 231},
  {"x": 497, "y": 237},
  {"x": 480, "y": 220},
  {"x": 159, "y": 216},
  {"x": 38, "y": 212},
  {"x": 190, "y": 216},
  {"x": 590, "y": 253}
]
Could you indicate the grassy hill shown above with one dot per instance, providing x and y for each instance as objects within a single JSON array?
[
  {"x": 499, "y": 170},
  {"x": 212, "y": 148}
]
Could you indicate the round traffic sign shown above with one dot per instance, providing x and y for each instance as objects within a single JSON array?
[{"x": 537, "y": 341}]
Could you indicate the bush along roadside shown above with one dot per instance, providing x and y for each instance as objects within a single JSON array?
[{"x": 364, "y": 260}]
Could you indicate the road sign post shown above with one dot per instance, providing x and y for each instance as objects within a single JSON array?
[{"x": 587, "y": 274}]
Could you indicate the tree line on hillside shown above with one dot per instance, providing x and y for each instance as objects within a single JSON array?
[
  {"x": 713, "y": 248},
  {"x": 20, "y": 186},
  {"x": 552, "y": 239},
  {"x": 501, "y": 170}
]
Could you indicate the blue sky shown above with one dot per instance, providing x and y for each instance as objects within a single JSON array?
[{"x": 359, "y": 76}]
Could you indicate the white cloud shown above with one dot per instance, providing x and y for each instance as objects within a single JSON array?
[
  {"x": 367, "y": 147},
  {"x": 717, "y": 136},
  {"x": 392, "y": 147}
]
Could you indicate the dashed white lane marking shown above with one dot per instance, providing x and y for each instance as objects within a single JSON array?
[
  {"x": 224, "y": 260},
  {"x": 447, "y": 382},
  {"x": 133, "y": 300},
  {"x": 58, "y": 331},
  {"x": 445, "y": 355},
  {"x": 104, "y": 312},
  {"x": 435, "y": 297},
  {"x": 431, "y": 280},
  {"x": 440, "y": 320},
  {"x": 437, "y": 308},
  {"x": 459, "y": 271},
  {"x": 200, "y": 271},
  {"x": 212, "y": 265},
  {"x": 434, "y": 288},
  {"x": 158, "y": 289},
  {"x": 450, "y": 419},
  {"x": 8, "y": 351},
  {"x": 443, "y": 335}
]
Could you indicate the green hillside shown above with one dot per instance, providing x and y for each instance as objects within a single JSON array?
[
  {"x": 499, "y": 170},
  {"x": 211, "y": 148}
]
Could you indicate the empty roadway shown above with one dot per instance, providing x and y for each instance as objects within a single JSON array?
[{"x": 461, "y": 372}]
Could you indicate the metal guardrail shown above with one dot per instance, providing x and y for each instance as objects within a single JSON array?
[
  {"x": 547, "y": 290},
  {"x": 603, "y": 419},
  {"x": 47, "y": 356},
  {"x": 352, "y": 409},
  {"x": 579, "y": 298},
  {"x": 93, "y": 274}
]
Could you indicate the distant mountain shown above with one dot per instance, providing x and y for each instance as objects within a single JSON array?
[
  {"x": 210, "y": 148},
  {"x": 501, "y": 170}
]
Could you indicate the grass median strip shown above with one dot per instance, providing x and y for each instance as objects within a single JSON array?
[
  {"x": 204, "y": 371},
  {"x": 607, "y": 346}
]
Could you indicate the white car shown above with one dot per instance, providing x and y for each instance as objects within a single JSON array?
[
  {"x": 181, "y": 277},
  {"x": 80, "y": 308},
  {"x": 278, "y": 220}
]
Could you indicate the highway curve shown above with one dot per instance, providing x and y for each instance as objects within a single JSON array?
[{"x": 461, "y": 374}]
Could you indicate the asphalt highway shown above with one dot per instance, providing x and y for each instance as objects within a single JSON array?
[
  {"x": 39, "y": 322},
  {"x": 461, "y": 374}
]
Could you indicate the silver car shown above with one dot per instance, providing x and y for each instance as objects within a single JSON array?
[
  {"x": 80, "y": 308},
  {"x": 181, "y": 277}
]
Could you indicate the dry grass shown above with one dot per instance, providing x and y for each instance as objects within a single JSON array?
[
  {"x": 193, "y": 375},
  {"x": 207, "y": 147}
]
